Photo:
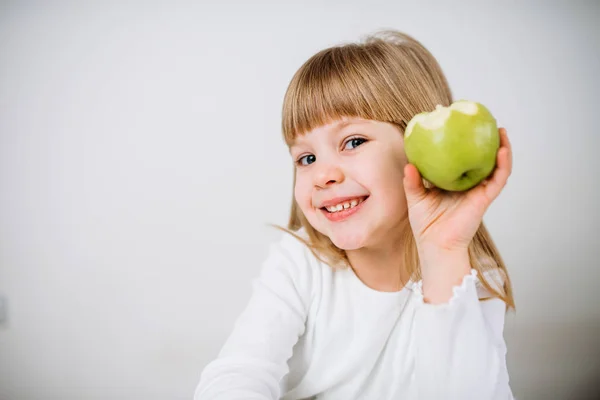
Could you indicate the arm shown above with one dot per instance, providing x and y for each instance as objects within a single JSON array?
[
  {"x": 460, "y": 346},
  {"x": 461, "y": 353},
  {"x": 254, "y": 358}
]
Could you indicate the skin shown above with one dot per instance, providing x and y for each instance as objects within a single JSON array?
[{"x": 356, "y": 157}]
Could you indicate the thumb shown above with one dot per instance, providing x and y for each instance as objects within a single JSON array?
[{"x": 413, "y": 185}]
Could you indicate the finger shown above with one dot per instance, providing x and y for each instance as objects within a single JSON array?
[
  {"x": 505, "y": 143},
  {"x": 498, "y": 180},
  {"x": 510, "y": 152},
  {"x": 413, "y": 184}
]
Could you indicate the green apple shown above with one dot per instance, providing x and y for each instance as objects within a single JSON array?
[{"x": 453, "y": 147}]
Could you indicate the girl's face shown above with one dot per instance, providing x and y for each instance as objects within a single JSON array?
[{"x": 349, "y": 181}]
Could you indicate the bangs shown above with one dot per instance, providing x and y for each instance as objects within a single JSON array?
[
  {"x": 336, "y": 83},
  {"x": 377, "y": 80}
]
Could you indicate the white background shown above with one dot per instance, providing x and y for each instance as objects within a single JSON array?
[{"x": 141, "y": 162}]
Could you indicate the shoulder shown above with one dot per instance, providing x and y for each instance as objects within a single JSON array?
[
  {"x": 291, "y": 262},
  {"x": 293, "y": 241},
  {"x": 294, "y": 246}
]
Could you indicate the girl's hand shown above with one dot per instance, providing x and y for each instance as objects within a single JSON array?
[{"x": 445, "y": 222}]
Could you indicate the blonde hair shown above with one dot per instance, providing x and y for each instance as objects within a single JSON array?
[{"x": 388, "y": 77}]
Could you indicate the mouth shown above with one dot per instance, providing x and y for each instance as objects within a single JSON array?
[{"x": 343, "y": 210}]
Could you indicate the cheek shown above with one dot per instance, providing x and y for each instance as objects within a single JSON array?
[
  {"x": 302, "y": 194},
  {"x": 389, "y": 185}
]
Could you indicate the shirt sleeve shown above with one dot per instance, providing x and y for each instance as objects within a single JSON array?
[
  {"x": 461, "y": 352},
  {"x": 253, "y": 360}
]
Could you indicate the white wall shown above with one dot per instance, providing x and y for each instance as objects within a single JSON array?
[{"x": 141, "y": 161}]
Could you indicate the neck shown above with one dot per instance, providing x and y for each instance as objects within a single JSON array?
[{"x": 380, "y": 267}]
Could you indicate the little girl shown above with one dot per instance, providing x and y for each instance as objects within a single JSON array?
[{"x": 384, "y": 287}]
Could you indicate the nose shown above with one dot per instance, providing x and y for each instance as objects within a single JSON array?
[{"x": 327, "y": 175}]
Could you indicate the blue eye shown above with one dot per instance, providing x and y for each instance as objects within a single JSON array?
[
  {"x": 307, "y": 159},
  {"x": 354, "y": 142}
]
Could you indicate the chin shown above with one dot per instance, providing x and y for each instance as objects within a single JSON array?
[
  {"x": 347, "y": 238},
  {"x": 364, "y": 235},
  {"x": 348, "y": 235}
]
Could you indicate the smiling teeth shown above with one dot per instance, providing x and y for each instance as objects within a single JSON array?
[{"x": 344, "y": 206}]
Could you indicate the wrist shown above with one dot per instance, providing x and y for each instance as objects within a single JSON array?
[
  {"x": 441, "y": 271},
  {"x": 434, "y": 257}
]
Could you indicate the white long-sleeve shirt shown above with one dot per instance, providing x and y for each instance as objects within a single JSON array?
[{"x": 310, "y": 331}]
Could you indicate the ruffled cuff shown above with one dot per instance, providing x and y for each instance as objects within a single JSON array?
[
  {"x": 465, "y": 290},
  {"x": 456, "y": 356}
]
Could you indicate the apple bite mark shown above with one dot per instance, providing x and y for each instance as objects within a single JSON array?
[
  {"x": 436, "y": 119},
  {"x": 465, "y": 107},
  {"x": 433, "y": 120}
]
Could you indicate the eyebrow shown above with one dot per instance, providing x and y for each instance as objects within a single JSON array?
[{"x": 337, "y": 126}]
